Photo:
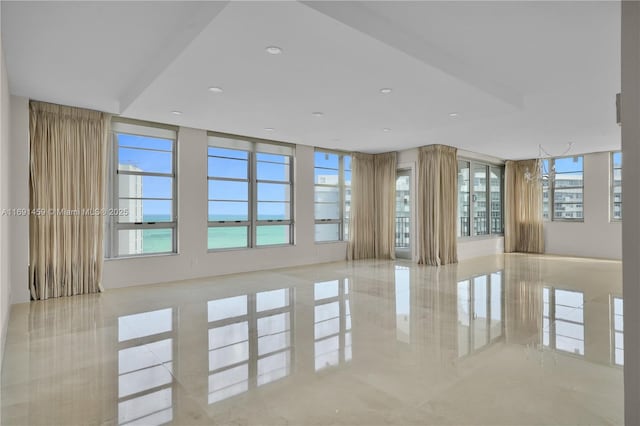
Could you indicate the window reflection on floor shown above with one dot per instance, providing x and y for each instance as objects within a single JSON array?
[
  {"x": 240, "y": 358},
  {"x": 332, "y": 323},
  {"x": 618, "y": 330},
  {"x": 480, "y": 312},
  {"x": 563, "y": 320},
  {"x": 403, "y": 303},
  {"x": 145, "y": 364}
]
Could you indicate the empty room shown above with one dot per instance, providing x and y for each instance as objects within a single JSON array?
[{"x": 320, "y": 212}]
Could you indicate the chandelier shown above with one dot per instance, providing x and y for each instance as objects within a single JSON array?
[{"x": 542, "y": 169}]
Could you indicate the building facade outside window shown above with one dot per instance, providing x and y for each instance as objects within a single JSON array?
[
  {"x": 332, "y": 198},
  {"x": 616, "y": 186},
  {"x": 250, "y": 193},
  {"x": 141, "y": 218},
  {"x": 563, "y": 188},
  {"x": 480, "y": 199}
]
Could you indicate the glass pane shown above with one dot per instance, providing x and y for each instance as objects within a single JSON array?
[
  {"x": 347, "y": 162},
  {"x": 327, "y": 210},
  {"x": 326, "y": 160},
  {"x": 271, "y": 171},
  {"x": 496, "y": 200},
  {"x": 327, "y": 194},
  {"x": 224, "y": 237},
  {"x": 228, "y": 190},
  {"x": 273, "y": 234},
  {"x": 145, "y": 142},
  {"x": 569, "y": 164},
  {"x": 480, "y": 200},
  {"x": 327, "y": 176},
  {"x": 568, "y": 180},
  {"x": 144, "y": 241},
  {"x": 228, "y": 211},
  {"x": 274, "y": 192},
  {"x": 463, "y": 199},
  {"x": 134, "y": 186},
  {"x": 229, "y": 153},
  {"x": 327, "y": 232},
  {"x": 142, "y": 210},
  {"x": 617, "y": 159},
  {"x": 141, "y": 160},
  {"x": 272, "y": 158},
  {"x": 274, "y": 211},
  {"x": 223, "y": 167}
]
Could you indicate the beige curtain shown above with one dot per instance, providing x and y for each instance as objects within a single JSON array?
[
  {"x": 437, "y": 191},
  {"x": 373, "y": 194},
  {"x": 68, "y": 149},
  {"x": 524, "y": 231}
]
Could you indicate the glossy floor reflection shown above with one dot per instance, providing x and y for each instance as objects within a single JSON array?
[{"x": 510, "y": 339}]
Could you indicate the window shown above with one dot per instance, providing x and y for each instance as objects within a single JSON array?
[
  {"x": 616, "y": 185},
  {"x": 480, "y": 200},
  {"x": 142, "y": 215},
  {"x": 250, "y": 193},
  {"x": 563, "y": 188},
  {"x": 332, "y": 195}
]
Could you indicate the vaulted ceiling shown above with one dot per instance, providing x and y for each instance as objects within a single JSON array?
[{"x": 497, "y": 78}]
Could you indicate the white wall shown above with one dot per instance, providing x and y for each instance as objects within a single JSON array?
[
  {"x": 5, "y": 290},
  {"x": 596, "y": 236},
  {"x": 193, "y": 259}
]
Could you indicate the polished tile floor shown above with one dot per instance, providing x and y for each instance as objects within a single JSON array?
[{"x": 507, "y": 340}]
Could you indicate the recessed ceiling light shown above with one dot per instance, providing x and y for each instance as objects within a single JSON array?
[
  {"x": 269, "y": 129},
  {"x": 386, "y": 129},
  {"x": 386, "y": 90},
  {"x": 453, "y": 114},
  {"x": 215, "y": 89},
  {"x": 176, "y": 112},
  {"x": 317, "y": 114},
  {"x": 274, "y": 50}
]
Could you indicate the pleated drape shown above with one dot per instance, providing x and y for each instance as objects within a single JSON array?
[
  {"x": 373, "y": 193},
  {"x": 524, "y": 230},
  {"x": 68, "y": 150},
  {"x": 437, "y": 205}
]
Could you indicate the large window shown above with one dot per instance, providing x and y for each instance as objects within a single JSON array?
[
  {"x": 332, "y": 195},
  {"x": 616, "y": 186},
  {"x": 250, "y": 193},
  {"x": 480, "y": 200},
  {"x": 142, "y": 210},
  {"x": 563, "y": 188}
]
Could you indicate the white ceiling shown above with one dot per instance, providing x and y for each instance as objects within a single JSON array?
[{"x": 518, "y": 74}]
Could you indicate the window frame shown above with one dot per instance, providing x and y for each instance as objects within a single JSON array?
[
  {"x": 113, "y": 226},
  {"x": 343, "y": 220},
  {"x": 252, "y": 224},
  {"x": 552, "y": 190},
  {"x": 612, "y": 185},
  {"x": 471, "y": 194}
]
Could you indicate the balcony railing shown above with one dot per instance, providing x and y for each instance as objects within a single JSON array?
[
  {"x": 403, "y": 232},
  {"x": 480, "y": 226}
]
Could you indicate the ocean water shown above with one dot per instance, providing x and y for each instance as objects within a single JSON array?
[{"x": 160, "y": 240}]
